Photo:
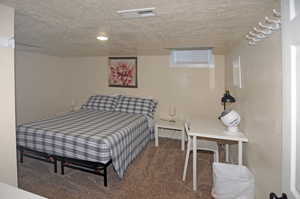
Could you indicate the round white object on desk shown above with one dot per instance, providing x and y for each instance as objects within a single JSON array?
[{"x": 231, "y": 119}]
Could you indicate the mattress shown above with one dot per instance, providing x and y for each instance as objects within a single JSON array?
[{"x": 97, "y": 136}]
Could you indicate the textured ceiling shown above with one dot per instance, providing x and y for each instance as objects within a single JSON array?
[{"x": 70, "y": 27}]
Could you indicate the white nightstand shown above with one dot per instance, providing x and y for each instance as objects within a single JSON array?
[{"x": 177, "y": 126}]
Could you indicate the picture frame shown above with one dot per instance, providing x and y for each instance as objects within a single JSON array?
[{"x": 122, "y": 72}]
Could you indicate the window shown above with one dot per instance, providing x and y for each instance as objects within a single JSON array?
[{"x": 194, "y": 58}]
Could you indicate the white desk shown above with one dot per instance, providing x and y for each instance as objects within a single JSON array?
[{"x": 212, "y": 129}]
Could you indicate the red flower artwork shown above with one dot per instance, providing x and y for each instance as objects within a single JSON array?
[{"x": 122, "y": 72}]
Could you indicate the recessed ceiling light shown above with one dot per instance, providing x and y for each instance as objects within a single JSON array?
[{"x": 102, "y": 37}]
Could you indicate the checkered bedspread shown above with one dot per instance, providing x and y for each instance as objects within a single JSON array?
[{"x": 90, "y": 135}]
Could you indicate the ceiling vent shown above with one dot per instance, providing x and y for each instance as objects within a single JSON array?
[{"x": 137, "y": 13}]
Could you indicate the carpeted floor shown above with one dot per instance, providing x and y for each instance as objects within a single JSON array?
[{"x": 155, "y": 174}]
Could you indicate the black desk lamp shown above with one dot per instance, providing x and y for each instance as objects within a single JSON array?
[{"x": 227, "y": 98}]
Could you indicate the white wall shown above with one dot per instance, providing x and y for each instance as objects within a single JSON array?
[
  {"x": 42, "y": 86},
  {"x": 190, "y": 90},
  {"x": 259, "y": 102},
  {"x": 46, "y": 85},
  {"x": 8, "y": 166}
]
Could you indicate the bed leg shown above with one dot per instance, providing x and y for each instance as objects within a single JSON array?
[
  {"x": 105, "y": 176},
  {"x": 21, "y": 155},
  {"x": 55, "y": 165},
  {"x": 62, "y": 165}
]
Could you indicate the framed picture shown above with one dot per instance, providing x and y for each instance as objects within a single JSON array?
[{"x": 122, "y": 72}]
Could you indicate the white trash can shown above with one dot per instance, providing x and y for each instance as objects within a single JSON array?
[{"x": 232, "y": 182}]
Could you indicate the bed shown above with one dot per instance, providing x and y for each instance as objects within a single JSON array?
[{"x": 92, "y": 134}]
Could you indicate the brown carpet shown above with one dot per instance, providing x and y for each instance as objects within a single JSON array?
[{"x": 155, "y": 174}]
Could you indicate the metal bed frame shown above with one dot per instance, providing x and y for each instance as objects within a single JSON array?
[
  {"x": 82, "y": 165},
  {"x": 86, "y": 166},
  {"x": 25, "y": 152}
]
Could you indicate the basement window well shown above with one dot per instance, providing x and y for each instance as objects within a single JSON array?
[{"x": 192, "y": 58}]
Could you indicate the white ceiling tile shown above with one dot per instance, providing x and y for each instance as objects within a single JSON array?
[{"x": 70, "y": 27}]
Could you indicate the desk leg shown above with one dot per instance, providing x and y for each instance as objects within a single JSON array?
[
  {"x": 156, "y": 136},
  {"x": 195, "y": 163},
  {"x": 182, "y": 140},
  {"x": 226, "y": 152},
  {"x": 240, "y": 152}
]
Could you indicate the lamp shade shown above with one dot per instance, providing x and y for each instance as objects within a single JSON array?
[{"x": 227, "y": 98}]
